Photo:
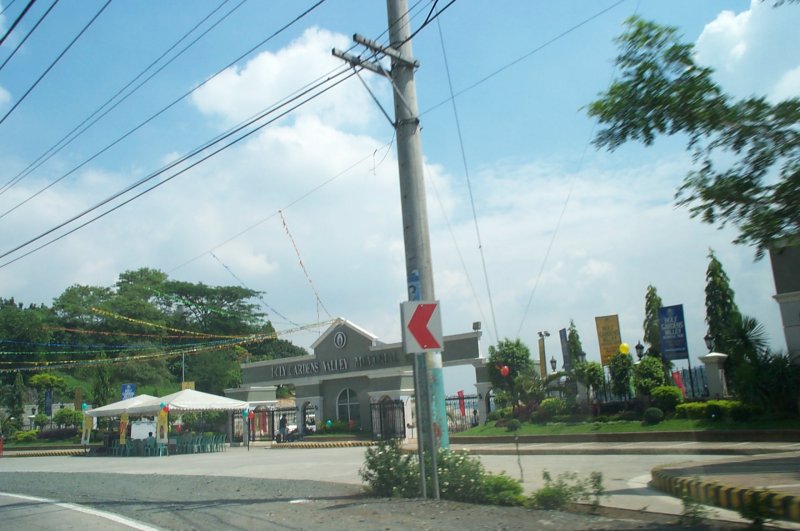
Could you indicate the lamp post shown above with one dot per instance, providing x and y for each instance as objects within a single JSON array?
[
  {"x": 553, "y": 363},
  {"x": 639, "y": 350},
  {"x": 709, "y": 339}
]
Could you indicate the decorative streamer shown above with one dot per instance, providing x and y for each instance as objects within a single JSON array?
[{"x": 302, "y": 265}]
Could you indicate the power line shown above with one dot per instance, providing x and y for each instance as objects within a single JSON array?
[
  {"x": 564, "y": 206},
  {"x": 524, "y": 56},
  {"x": 174, "y": 102},
  {"x": 469, "y": 182},
  {"x": 17, "y": 21},
  {"x": 11, "y": 3},
  {"x": 167, "y": 179},
  {"x": 63, "y": 142},
  {"x": 25, "y": 38},
  {"x": 57, "y": 59}
]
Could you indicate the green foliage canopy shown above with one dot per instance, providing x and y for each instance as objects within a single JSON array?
[{"x": 746, "y": 152}]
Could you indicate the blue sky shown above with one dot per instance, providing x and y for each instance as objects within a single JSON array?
[{"x": 607, "y": 219}]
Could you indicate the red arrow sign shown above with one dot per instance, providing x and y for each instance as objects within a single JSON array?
[{"x": 418, "y": 326}]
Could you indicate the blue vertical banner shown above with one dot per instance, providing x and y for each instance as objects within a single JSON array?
[
  {"x": 672, "y": 329},
  {"x": 562, "y": 334},
  {"x": 128, "y": 391}
]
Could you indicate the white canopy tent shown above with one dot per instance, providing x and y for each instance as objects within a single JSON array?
[
  {"x": 123, "y": 406},
  {"x": 189, "y": 400}
]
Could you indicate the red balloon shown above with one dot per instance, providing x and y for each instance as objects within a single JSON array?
[{"x": 504, "y": 370}]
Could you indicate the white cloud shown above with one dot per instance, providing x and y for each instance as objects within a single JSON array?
[
  {"x": 5, "y": 97},
  {"x": 755, "y": 51},
  {"x": 336, "y": 184},
  {"x": 239, "y": 93}
]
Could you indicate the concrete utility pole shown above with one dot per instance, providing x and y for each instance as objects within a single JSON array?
[{"x": 428, "y": 376}]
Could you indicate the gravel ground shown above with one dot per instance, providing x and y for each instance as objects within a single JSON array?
[{"x": 203, "y": 502}]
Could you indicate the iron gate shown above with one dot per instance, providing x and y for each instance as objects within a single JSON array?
[
  {"x": 388, "y": 419},
  {"x": 462, "y": 412}
]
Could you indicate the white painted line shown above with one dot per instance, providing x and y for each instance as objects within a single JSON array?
[{"x": 86, "y": 510}]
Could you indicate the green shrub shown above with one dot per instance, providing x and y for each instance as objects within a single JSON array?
[
  {"x": 494, "y": 416},
  {"x": 567, "y": 488},
  {"x": 714, "y": 412},
  {"x": 550, "y": 407},
  {"x": 628, "y": 415},
  {"x": 389, "y": 472},
  {"x": 502, "y": 490},
  {"x": 68, "y": 417},
  {"x": 744, "y": 412},
  {"x": 26, "y": 436},
  {"x": 549, "y": 498},
  {"x": 460, "y": 477},
  {"x": 652, "y": 415},
  {"x": 666, "y": 398},
  {"x": 513, "y": 425},
  {"x": 691, "y": 410}
]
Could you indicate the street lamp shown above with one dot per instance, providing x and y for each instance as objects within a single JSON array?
[
  {"x": 639, "y": 350},
  {"x": 709, "y": 339},
  {"x": 553, "y": 363}
]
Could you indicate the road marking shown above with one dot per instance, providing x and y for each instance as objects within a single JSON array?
[{"x": 86, "y": 510}]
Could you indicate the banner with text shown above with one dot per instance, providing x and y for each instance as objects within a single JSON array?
[
  {"x": 672, "y": 330},
  {"x": 608, "y": 336}
]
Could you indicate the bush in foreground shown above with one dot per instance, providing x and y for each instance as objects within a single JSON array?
[{"x": 388, "y": 471}]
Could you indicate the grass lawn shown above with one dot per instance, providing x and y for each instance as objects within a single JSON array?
[{"x": 558, "y": 428}]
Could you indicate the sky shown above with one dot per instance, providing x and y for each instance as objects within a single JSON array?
[{"x": 530, "y": 225}]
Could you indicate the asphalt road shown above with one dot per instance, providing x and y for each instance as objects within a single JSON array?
[{"x": 266, "y": 480}]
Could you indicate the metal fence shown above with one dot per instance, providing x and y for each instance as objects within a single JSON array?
[
  {"x": 462, "y": 412},
  {"x": 388, "y": 419}
]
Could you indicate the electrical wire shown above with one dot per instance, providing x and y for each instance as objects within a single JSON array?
[
  {"x": 176, "y": 101},
  {"x": 564, "y": 206},
  {"x": 25, "y": 38},
  {"x": 11, "y": 3},
  {"x": 17, "y": 21},
  {"x": 469, "y": 182},
  {"x": 521, "y": 58},
  {"x": 167, "y": 179},
  {"x": 66, "y": 140},
  {"x": 55, "y": 61}
]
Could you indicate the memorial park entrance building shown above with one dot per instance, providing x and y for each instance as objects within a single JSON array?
[{"x": 351, "y": 377}]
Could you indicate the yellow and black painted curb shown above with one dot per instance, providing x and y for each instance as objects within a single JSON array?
[
  {"x": 331, "y": 444},
  {"x": 774, "y": 504},
  {"x": 41, "y": 453}
]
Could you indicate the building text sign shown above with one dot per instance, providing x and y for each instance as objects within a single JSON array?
[{"x": 672, "y": 329}]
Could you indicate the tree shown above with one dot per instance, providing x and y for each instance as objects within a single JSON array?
[
  {"x": 68, "y": 417},
  {"x": 574, "y": 342},
  {"x": 514, "y": 355},
  {"x": 44, "y": 382},
  {"x": 589, "y": 373},
  {"x": 647, "y": 375},
  {"x": 722, "y": 314},
  {"x": 746, "y": 152},
  {"x": 652, "y": 331},
  {"x": 620, "y": 368},
  {"x": 15, "y": 400},
  {"x": 101, "y": 391}
]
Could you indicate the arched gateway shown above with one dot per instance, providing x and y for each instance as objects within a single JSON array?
[{"x": 355, "y": 378}]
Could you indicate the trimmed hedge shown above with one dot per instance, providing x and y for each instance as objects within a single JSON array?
[
  {"x": 709, "y": 410},
  {"x": 666, "y": 398}
]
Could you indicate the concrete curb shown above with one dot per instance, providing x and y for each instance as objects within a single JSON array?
[
  {"x": 332, "y": 444},
  {"x": 776, "y": 504},
  {"x": 41, "y": 453}
]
